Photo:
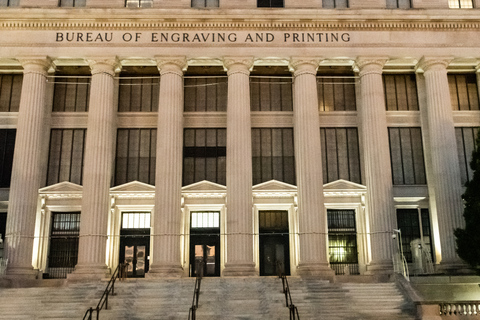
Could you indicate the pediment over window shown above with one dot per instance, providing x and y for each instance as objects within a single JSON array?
[
  {"x": 203, "y": 187},
  {"x": 274, "y": 186},
  {"x": 344, "y": 186},
  {"x": 62, "y": 187},
  {"x": 134, "y": 186}
]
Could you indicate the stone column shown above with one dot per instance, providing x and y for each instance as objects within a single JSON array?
[
  {"x": 26, "y": 171},
  {"x": 167, "y": 222},
  {"x": 239, "y": 229},
  {"x": 98, "y": 169},
  {"x": 312, "y": 221},
  {"x": 445, "y": 187},
  {"x": 376, "y": 153}
]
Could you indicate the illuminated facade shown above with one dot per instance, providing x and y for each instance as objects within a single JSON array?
[{"x": 252, "y": 135}]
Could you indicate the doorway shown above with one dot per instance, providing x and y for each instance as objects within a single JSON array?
[
  {"x": 205, "y": 244},
  {"x": 135, "y": 243},
  {"x": 274, "y": 243}
]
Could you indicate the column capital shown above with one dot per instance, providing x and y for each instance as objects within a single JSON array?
[
  {"x": 303, "y": 65},
  {"x": 369, "y": 65},
  {"x": 238, "y": 65},
  {"x": 171, "y": 64},
  {"x": 107, "y": 65},
  {"x": 433, "y": 63},
  {"x": 36, "y": 64}
]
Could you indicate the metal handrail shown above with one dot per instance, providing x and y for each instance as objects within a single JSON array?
[
  {"x": 288, "y": 297},
  {"x": 192, "y": 314},
  {"x": 120, "y": 272}
]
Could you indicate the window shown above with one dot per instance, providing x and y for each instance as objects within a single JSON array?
[
  {"x": 138, "y": 93},
  {"x": 399, "y": 4},
  {"x": 273, "y": 155},
  {"x": 205, "y": 94},
  {"x": 463, "y": 91},
  {"x": 7, "y": 146},
  {"x": 340, "y": 154},
  {"x": 342, "y": 241},
  {"x": 63, "y": 253},
  {"x": 65, "y": 159},
  {"x": 204, "y": 3},
  {"x": 414, "y": 224},
  {"x": 270, "y": 3},
  {"x": 406, "y": 154},
  {"x": 9, "y": 3},
  {"x": 204, "y": 155},
  {"x": 400, "y": 92},
  {"x": 10, "y": 91},
  {"x": 136, "y": 156},
  {"x": 465, "y": 145},
  {"x": 335, "y": 4},
  {"x": 460, "y": 4},
  {"x": 139, "y": 3},
  {"x": 205, "y": 219},
  {"x": 71, "y": 93},
  {"x": 72, "y": 3},
  {"x": 136, "y": 220},
  {"x": 336, "y": 93},
  {"x": 271, "y": 93}
]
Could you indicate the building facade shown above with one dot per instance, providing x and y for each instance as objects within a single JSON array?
[{"x": 317, "y": 138}]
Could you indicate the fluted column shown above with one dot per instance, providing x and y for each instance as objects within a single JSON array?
[
  {"x": 167, "y": 228},
  {"x": 378, "y": 174},
  {"x": 239, "y": 229},
  {"x": 98, "y": 169},
  {"x": 312, "y": 223},
  {"x": 446, "y": 202},
  {"x": 26, "y": 171}
]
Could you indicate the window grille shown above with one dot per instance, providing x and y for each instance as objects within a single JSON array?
[
  {"x": 399, "y": 4},
  {"x": 340, "y": 154},
  {"x": 205, "y": 219},
  {"x": 72, "y": 3},
  {"x": 271, "y": 94},
  {"x": 9, "y": 3},
  {"x": 138, "y": 94},
  {"x": 71, "y": 93},
  {"x": 273, "y": 221},
  {"x": 342, "y": 241},
  {"x": 466, "y": 143},
  {"x": 463, "y": 91},
  {"x": 336, "y": 93},
  {"x": 10, "y": 91},
  {"x": 270, "y": 3},
  {"x": 205, "y": 94},
  {"x": 335, "y": 4},
  {"x": 408, "y": 222},
  {"x": 7, "y": 146},
  {"x": 400, "y": 92},
  {"x": 204, "y": 3},
  {"x": 139, "y": 3},
  {"x": 460, "y": 4},
  {"x": 135, "y": 155},
  {"x": 406, "y": 155},
  {"x": 65, "y": 159},
  {"x": 204, "y": 155},
  {"x": 136, "y": 220},
  {"x": 273, "y": 155}
]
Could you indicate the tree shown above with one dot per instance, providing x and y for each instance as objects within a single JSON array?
[{"x": 468, "y": 239}]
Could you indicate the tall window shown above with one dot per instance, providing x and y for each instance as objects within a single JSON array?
[
  {"x": 65, "y": 159},
  {"x": 400, "y": 92},
  {"x": 399, "y": 4},
  {"x": 273, "y": 155},
  {"x": 270, "y": 3},
  {"x": 335, "y": 4},
  {"x": 463, "y": 91},
  {"x": 204, "y": 155},
  {"x": 414, "y": 224},
  {"x": 7, "y": 145},
  {"x": 336, "y": 93},
  {"x": 342, "y": 241},
  {"x": 271, "y": 93},
  {"x": 340, "y": 154},
  {"x": 136, "y": 156},
  {"x": 460, "y": 4},
  {"x": 465, "y": 145},
  {"x": 205, "y": 94},
  {"x": 71, "y": 93},
  {"x": 204, "y": 3},
  {"x": 10, "y": 90},
  {"x": 63, "y": 253},
  {"x": 138, "y": 93},
  {"x": 72, "y": 3},
  {"x": 9, "y": 3},
  {"x": 406, "y": 154},
  {"x": 139, "y": 3}
]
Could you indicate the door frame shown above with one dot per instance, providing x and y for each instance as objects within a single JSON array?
[{"x": 136, "y": 242}]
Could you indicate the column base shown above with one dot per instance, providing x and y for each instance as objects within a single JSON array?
[
  {"x": 89, "y": 273},
  {"x": 454, "y": 266},
  {"x": 317, "y": 270},
  {"x": 26, "y": 273},
  {"x": 240, "y": 270},
  {"x": 164, "y": 271},
  {"x": 381, "y": 269}
]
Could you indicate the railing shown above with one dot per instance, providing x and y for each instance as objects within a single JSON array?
[
  {"x": 286, "y": 290},
  {"x": 120, "y": 272},
  {"x": 196, "y": 292},
  {"x": 468, "y": 308},
  {"x": 3, "y": 265}
]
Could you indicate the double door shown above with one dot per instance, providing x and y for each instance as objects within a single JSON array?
[
  {"x": 274, "y": 254},
  {"x": 135, "y": 251},
  {"x": 205, "y": 255}
]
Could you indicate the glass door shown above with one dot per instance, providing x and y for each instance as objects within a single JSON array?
[
  {"x": 205, "y": 244},
  {"x": 274, "y": 243},
  {"x": 135, "y": 243}
]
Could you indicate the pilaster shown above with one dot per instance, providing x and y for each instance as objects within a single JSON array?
[
  {"x": 26, "y": 170},
  {"x": 239, "y": 260},
  {"x": 378, "y": 174},
  {"x": 167, "y": 226},
  {"x": 98, "y": 169},
  {"x": 312, "y": 227}
]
